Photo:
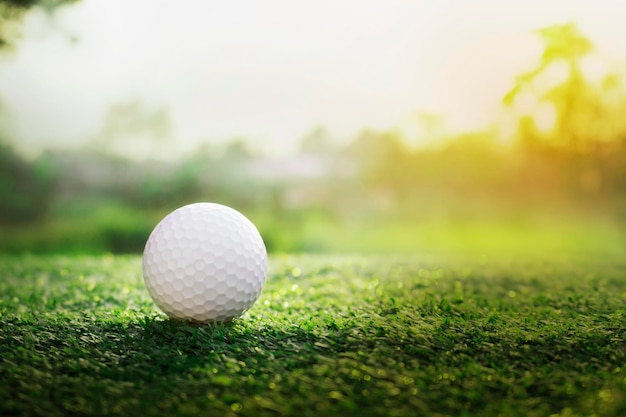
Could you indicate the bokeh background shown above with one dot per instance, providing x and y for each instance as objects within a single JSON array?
[{"x": 364, "y": 126}]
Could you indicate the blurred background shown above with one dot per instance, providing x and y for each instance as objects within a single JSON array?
[{"x": 353, "y": 126}]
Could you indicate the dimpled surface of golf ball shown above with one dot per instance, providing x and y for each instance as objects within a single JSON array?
[{"x": 204, "y": 262}]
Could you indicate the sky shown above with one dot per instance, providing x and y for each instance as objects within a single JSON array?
[{"x": 272, "y": 71}]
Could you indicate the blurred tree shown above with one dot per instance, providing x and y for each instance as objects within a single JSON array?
[
  {"x": 432, "y": 126},
  {"x": 383, "y": 165},
  {"x": 132, "y": 128},
  {"x": 237, "y": 150},
  {"x": 563, "y": 44},
  {"x": 318, "y": 142},
  {"x": 25, "y": 188},
  {"x": 13, "y": 11},
  {"x": 574, "y": 110},
  {"x": 581, "y": 148}
]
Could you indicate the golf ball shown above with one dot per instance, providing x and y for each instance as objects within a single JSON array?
[{"x": 204, "y": 262}]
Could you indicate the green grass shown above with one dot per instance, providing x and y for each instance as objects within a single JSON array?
[{"x": 384, "y": 336}]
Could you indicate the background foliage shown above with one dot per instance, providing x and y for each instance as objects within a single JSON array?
[{"x": 555, "y": 178}]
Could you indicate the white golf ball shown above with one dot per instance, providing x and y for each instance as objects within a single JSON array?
[{"x": 204, "y": 262}]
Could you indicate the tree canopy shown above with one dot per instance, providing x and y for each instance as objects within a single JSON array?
[{"x": 13, "y": 11}]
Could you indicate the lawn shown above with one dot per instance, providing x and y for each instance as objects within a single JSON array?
[{"x": 431, "y": 335}]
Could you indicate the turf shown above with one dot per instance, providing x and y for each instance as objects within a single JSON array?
[{"x": 381, "y": 336}]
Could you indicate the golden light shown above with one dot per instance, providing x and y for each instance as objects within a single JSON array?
[{"x": 545, "y": 117}]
